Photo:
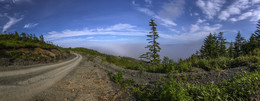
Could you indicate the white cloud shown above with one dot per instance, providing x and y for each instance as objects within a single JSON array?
[
  {"x": 109, "y": 40},
  {"x": 236, "y": 8},
  {"x": 210, "y": 7},
  {"x": 197, "y": 26},
  {"x": 90, "y": 37},
  {"x": 162, "y": 21},
  {"x": 118, "y": 29},
  {"x": 11, "y": 22},
  {"x": 165, "y": 22},
  {"x": 166, "y": 15},
  {"x": 194, "y": 28},
  {"x": 255, "y": 1},
  {"x": 223, "y": 15},
  {"x": 30, "y": 25},
  {"x": 200, "y": 21},
  {"x": 15, "y": 1},
  {"x": 233, "y": 19},
  {"x": 172, "y": 9},
  {"x": 146, "y": 11},
  {"x": 253, "y": 15},
  {"x": 196, "y": 14},
  {"x": 197, "y": 31},
  {"x": 174, "y": 30}
]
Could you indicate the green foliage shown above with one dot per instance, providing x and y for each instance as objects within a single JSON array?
[
  {"x": 221, "y": 41},
  {"x": 225, "y": 62},
  {"x": 16, "y": 41},
  {"x": 238, "y": 45},
  {"x": 117, "y": 77},
  {"x": 204, "y": 64},
  {"x": 183, "y": 67},
  {"x": 12, "y": 45},
  {"x": 152, "y": 56},
  {"x": 143, "y": 93},
  {"x": 16, "y": 54},
  {"x": 127, "y": 83},
  {"x": 174, "y": 91},
  {"x": 168, "y": 65},
  {"x": 240, "y": 87},
  {"x": 231, "y": 50},
  {"x": 209, "y": 49}
]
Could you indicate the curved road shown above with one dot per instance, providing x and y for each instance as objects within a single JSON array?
[{"x": 22, "y": 84}]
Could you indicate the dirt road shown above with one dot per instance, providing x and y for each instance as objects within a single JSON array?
[
  {"x": 88, "y": 82},
  {"x": 19, "y": 85}
]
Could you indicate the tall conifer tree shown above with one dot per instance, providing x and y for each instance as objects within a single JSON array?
[
  {"x": 221, "y": 44},
  {"x": 238, "y": 44},
  {"x": 209, "y": 48},
  {"x": 231, "y": 50},
  {"x": 153, "y": 45}
]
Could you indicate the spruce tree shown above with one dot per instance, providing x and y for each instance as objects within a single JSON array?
[
  {"x": 238, "y": 45},
  {"x": 208, "y": 49},
  {"x": 221, "y": 44},
  {"x": 231, "y": 50},
  {"x": 16, "y": 36},
  {"x": 41, "y": 38},
  {"x": 153, "y": 45},
  {"x": 23, "y": 35},
  {"x": 256, "y": 35}
]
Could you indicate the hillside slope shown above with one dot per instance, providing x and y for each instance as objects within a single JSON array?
[{"x": 27, "y": 49}]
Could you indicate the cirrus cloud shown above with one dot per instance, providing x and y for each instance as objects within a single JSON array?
[{"x": 12, "y": 21}]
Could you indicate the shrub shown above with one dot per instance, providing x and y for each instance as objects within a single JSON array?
[
  {"x": 223, "y": 62},
  {"x": 240, "y": 61},
  {"x": 204, "y": 64},
  {"x": 239, "y": 88},
  {"x": 174, "y": 91},
  {"x": 183, "y": 67},
  {"x": 127, "y": 82},
  {"x": 117, "y": 77},
  {"x": 15, "y": 54},
  {"x": 143, "y": 93}
]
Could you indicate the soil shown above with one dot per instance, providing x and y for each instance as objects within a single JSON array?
[{"x": 86, "y": 83}]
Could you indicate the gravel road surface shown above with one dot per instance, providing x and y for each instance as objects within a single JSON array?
[{"x": 20, "y": 85}]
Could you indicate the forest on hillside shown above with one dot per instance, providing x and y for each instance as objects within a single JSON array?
[{"x": 26, "y": 49}]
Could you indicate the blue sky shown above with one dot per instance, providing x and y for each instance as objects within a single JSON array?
[{"x": 92, "y": 23}]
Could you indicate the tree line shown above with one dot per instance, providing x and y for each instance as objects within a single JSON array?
[
  {"x": 23, "y": 37},
  {"x": 214, "y": 46}
]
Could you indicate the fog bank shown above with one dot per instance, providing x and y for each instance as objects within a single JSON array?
[{"x": 173, "y": 51}]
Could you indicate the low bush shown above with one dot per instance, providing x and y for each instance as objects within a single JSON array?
[
  {"x": 239, "y": 88},
  {"x": 117, "y": 77},
  {"x": 204, "y": 64}
]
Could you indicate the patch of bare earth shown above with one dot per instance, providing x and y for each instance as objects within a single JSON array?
[{"x": 86, "y": 83}]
